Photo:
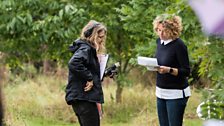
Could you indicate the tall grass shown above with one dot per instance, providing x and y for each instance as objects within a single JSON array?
[
  {"x": 137, "y": 107},
  {"x": 40, "y": 102},
  {"x": 41, "y": 97}
]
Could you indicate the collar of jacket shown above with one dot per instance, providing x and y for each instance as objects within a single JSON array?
[{"x": 77, "y": 43}]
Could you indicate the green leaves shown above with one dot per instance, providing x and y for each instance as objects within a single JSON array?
[
  {"x": 38, "y": 28},
  {"x": 211, "y": 109}
]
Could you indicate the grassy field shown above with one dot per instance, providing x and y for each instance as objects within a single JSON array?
[{"x": 40, "y": 102}]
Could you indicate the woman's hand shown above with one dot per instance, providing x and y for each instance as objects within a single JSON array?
[
  {"x": 163, "y": 69},
  {"x": 89, "y": 86},
  {"x": 166, "y": 69}
]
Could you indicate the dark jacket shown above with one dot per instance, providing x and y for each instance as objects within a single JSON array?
[{"x": 83, "y": 66}]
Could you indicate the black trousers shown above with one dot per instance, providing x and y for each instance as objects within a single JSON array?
[{"x": 87, "y": 113}]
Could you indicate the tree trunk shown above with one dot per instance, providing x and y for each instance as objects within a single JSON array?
[
  {"x": 46, "y": 66},
  {"x": 119, "y": 92},
  {"x": 3, "y": 74}
]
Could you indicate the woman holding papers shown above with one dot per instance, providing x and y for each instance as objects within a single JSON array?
[
  {"x": 84, "y": 88},
  {"x": 172, "y": 88}
]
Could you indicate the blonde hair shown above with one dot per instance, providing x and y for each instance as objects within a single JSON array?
[
  {"x": 96, "y": 28},
  {"x": 171, "y": 23}
]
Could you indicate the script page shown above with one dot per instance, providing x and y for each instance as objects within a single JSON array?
[
  {"x": 150, "y": 63},
  {"x": 103, "y": 58}
]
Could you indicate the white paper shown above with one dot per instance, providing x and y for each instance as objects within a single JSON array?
[
  {"x": 150, "y": 63},
  {"x": 103, "y": 58}
]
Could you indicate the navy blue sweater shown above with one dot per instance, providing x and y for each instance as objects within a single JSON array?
[{"x": 175, "y": 55}]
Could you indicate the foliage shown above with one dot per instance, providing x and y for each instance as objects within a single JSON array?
[
  {"x": 211, "y": 109},
  {"x": 33, "y": 30}
]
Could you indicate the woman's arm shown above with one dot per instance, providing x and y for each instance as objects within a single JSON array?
[
  {"x": 166, "y": 69},
  {"x": 78, "y": 62}
]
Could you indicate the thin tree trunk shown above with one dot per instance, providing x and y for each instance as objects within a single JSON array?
[
  {"x": 119, "y": 92},
  {"x": 46, "y": 66}
]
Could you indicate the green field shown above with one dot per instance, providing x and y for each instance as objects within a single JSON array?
[{"x": 40, "y": 102}]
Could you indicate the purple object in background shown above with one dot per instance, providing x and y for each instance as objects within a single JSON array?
[
  {"x": 213, "y": 122},
  {"x": 219, "y": 30},
  {"x": 211, "y": 15}
]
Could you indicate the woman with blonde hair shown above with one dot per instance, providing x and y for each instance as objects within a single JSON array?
[
  {"x": 84, "y": 88},
  {"x": 172, "y": 88}
]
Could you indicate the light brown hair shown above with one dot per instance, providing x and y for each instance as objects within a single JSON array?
[
  {"x": 96, "y": 27},
  {"x": 171, "y": 23}
]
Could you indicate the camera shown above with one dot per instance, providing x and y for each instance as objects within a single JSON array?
[{"x": 112, "y": 70}]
